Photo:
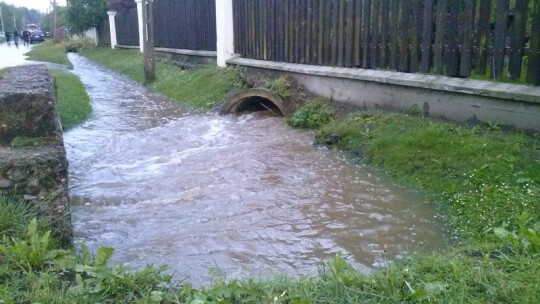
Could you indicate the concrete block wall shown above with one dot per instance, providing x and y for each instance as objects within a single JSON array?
[{"x": 33, "y": 163}]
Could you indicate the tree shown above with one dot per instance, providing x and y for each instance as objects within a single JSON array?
[
  {"x": 20, "y": 15},
  {"x": 82, "y": 15},
  {"x": 47, "y": 19},
  {"x": 121, "y": 5}
]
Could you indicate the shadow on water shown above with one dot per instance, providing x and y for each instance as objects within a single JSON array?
[{"x": 164, "y": 184}]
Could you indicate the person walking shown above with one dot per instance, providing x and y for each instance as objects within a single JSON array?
[
  {"x": 8, "y": 38},
  {"x": 16, "y": 38},
  {"x": 26, "y": 37}
]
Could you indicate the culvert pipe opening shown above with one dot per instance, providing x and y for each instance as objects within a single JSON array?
[
  {"x": 257, "y": 104},
  {"x": 257, "y": 99}
]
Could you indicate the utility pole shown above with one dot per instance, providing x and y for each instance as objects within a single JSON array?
[
  {"x": 54, "y": 21},
  {"x": 148, "y": 42}
]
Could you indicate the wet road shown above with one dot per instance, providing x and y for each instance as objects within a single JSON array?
[{"x": 12, "y": 56}]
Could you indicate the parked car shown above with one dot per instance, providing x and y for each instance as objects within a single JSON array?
[{"x": 36, "y": 36}]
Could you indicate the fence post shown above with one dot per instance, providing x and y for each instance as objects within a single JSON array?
[
  {"x": 141, "y": 25},
  {"x": 224, "y": 31},
  {"x": 96, "y": 36},
  {"x": 112, "y": 26}
]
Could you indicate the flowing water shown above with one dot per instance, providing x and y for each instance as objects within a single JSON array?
[
  {"x": 244, "y": 193},
  {"x": 11, "y": 56}
]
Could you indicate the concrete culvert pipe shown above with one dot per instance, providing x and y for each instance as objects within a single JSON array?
[{"x": 256, "y": 99}]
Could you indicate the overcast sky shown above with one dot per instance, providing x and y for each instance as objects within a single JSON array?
[{"x": 40, "y": 5}]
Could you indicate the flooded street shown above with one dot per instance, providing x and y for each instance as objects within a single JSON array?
[
  {"x": 164, "y": 184},
  {"x": 11, "y": 56}
]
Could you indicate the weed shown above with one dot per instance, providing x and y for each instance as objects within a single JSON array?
[
  {"x": 281, "y": 87},
  {"x": 526, "y": 239},
  {"x": 32, "y": 252},
  {"x": 15, "y": 215},
  {"x": 75, "y": 45},
  {"x": 312, "y": 114}
]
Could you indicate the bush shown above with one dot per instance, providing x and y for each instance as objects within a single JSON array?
[
  {"x": 312, "y": 115},
  {"x": 281, "y": 87},
  {"x": 74, "y": 45}
]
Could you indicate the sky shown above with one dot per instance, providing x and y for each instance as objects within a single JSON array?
[{"x": 40, "y": 5}]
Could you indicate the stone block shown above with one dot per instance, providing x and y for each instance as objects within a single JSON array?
[
  {"x": 28, "y": 104},
  {"x": 33, "y": 163}
]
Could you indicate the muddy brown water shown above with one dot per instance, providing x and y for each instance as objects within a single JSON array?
[{"x": 244, "y": 193}]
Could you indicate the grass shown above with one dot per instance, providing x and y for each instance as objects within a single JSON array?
[
  {"x": 480, "y": 177},
  {"x": 49, "y": 51},
  {"x": 15, "y": 216},
  {"x": 73, "y": 102},
  {"x": 202, "y": 87}
]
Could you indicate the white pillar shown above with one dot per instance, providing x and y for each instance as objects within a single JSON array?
[
  {"x": 96, "y": 38},
  {"x": 112, "y": 26},
  {"x": 224, "y": 31},
  {"x": 141, "y": 25}
]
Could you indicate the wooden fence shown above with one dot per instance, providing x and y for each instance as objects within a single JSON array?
[
  {"x": 104, "y": 33},
  {"x": 185, "y": 24},
  {"x": 178, "y": 24},
  {"x": 499, "y": 39},
  {"x": 127, "y": 27}
]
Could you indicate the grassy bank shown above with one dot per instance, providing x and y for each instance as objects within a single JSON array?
[
  {"x": 49, "y": 51},
  {"x": 202, "y": 86},
  {"x": 72, "y": 101},
  {"x": 481, "y": 177}
]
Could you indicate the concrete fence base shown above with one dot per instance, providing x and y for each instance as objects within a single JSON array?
[
  {"x": 180, "y": 56},
  {"x": 461, "y": 100}
]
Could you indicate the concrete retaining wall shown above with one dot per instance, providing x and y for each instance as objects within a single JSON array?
[
  {"x": 461, "y": 100},
  {"x": 33, "y": 163}
]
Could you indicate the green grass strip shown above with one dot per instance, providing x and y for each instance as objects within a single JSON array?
[
  {"x": 72, "y": 100},
  {"x": 49, "y": 51},
  {"x": 202, "y": 86}
]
